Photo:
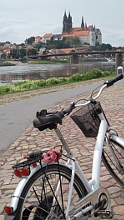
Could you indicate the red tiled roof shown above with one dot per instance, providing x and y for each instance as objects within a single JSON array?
[
  {"x": 37, "y": 37},
  {"x": 72, "y": 30},
  {"x": 63, "y": 50},
  {"x": 7, "y": 50},
  {"x": 53, "y": 50},
  {"x": 67, "y": 50},
  {"x": 47, "y": 35},
  {"x": 78, "y": 34},
  {"x": 89, "y": 27}
]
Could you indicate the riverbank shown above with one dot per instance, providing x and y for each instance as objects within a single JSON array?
[
  {"x": 7, "y": 98},
  {"x": 12, "y": 63},
  {"x": 16, "y": 62},
  {"x": 7, "y": 63},
  {"x": 27, "y": 85}
]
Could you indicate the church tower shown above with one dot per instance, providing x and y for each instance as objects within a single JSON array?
[
  {"x": 64, "y": 22},
  {"x": 82, "y": 24},
  {"x": 67, "y": 23}
]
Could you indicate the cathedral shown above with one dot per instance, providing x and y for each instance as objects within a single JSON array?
[{"x": 87, "y": 34}]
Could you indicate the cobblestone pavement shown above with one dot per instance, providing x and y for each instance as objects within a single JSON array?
[{"x": 32, "y": 140}]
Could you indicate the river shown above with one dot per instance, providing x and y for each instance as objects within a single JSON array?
[{"x": 11, "y": 74}]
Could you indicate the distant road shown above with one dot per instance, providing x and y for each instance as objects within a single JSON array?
[{"x": 15, "y": 117}]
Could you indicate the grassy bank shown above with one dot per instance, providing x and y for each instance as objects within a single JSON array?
[
  {"x": 37, "y": 84},
  {"x": 49, "y": 61},
  {"x": 14, "y": 63},
  {"x": 6, "y": 64}
]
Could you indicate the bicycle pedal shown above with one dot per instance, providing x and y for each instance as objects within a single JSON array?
[{"x": 105, "y": 214}]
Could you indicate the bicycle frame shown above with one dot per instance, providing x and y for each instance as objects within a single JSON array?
[{"x": 93, "y": 185}]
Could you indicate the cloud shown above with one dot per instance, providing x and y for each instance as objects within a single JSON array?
[
  {"x": 56, "y": 29},
  {"x": 22, "y": 19},
  {"x": 6, "y": 31},
  {"x": 113, "y": 36}
]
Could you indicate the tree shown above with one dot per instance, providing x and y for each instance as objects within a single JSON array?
[
  {"x": 75, "y": 40},
  {"x": 39, "y": 45},
  {"x": 31, "y": 52},
  {"x": 22, "y": 52},
  {"x": 30, "y": 40},
  {"x": 3, "y": 56},
  {"x": 106, "y": 47},
  {"x": 14, "y": 53}
]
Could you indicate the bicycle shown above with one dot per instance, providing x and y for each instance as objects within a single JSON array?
[{"x": 51, "y": 189}]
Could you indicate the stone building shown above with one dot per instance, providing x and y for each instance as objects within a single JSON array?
[{"x": 87, "y": 34}]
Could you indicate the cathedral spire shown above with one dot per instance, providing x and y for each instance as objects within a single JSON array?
[
  {"x": 85, "y": 25},
  {"x": 65, "y": 17},
  {"x": 82, "y": 24},
  {"x": 67, "y": 22}
]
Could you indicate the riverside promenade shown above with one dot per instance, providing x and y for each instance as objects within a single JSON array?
[{"x": 112, "y": 100}]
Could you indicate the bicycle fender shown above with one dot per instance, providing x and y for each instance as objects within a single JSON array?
[
  {"x": 117, "y": 140},
  {"x": 18, "y": 191},
  {"x": 11, "y": 217}
]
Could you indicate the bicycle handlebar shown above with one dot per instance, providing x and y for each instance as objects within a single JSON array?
[
  {"x": 106, "y": 84},
  {"x": 68, "y": 110},
  {"x": 49, "y": 120},
  {"x": 115, "y": 79},
  {"x": 73, "y": 105}
]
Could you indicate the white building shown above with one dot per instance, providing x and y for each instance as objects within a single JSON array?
[
  {"x": 90, "y": 34},
  {"x": 46, "y": 37}
]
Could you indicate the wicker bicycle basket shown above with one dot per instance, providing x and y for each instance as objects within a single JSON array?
[{"x": 87, "y": 119}]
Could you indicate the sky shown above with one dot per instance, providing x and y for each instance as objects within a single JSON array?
[{"x": 21, "y": 19}]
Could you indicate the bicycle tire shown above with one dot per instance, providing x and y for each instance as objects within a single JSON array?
[
  {"x": 110, "y": 163},
  {"x": 44, "y": 205}
]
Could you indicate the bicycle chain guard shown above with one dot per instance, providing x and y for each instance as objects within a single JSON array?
[{"x": 96, "y": 201}]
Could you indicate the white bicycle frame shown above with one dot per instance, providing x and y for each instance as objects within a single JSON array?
[{"x": 92, "y": 185}]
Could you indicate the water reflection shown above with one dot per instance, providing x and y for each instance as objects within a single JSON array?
[{"x": 10, "y": 74}]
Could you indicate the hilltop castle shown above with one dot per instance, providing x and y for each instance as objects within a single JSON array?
[
  {"x": 86, "y": 34},
  {"x": 90, "y": 34}
]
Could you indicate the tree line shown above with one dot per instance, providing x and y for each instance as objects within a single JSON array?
[{"x": 56, "y": 44}]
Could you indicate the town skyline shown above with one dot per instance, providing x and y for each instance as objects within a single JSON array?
[{"x": 39, "y": 18}]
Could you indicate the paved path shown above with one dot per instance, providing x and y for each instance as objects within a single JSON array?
[
  {"x": 15, "y": 117},
  {"x": 31, "y": 139}
]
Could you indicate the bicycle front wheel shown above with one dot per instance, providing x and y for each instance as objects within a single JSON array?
[
  {"x": 113, "y": 159},
  {"x": 45, "y": 195}
]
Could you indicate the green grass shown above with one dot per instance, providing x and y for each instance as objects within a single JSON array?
[
  {"x": 38, "y": 84},
  {"x": 6, "y": 64},
  {"x": 49, "y": 61}
]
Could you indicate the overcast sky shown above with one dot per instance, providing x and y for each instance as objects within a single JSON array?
[{"x": 21, "y": 19}]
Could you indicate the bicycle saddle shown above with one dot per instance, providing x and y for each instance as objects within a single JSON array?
[{"x": 46, "y": 120}]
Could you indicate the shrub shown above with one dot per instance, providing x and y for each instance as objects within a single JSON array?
[
  {"x": 36, "y": 84},
  {"x": 51, "y": 81},
  {"x": 76, "y": 77}
]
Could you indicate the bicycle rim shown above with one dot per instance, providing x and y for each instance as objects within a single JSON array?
[
  {"x": 39, "y": 199},
  {"x": 111, "y": 163}
]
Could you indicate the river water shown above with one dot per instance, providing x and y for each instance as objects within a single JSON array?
[{"x": 11, "y": 74}]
